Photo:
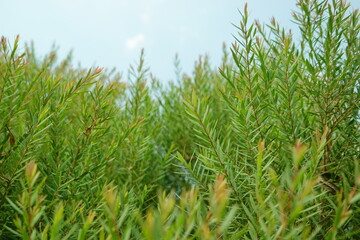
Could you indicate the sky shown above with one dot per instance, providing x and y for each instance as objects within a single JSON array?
[{"x": 111, "y": 33}]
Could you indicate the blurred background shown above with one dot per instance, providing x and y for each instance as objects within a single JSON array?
[{"x": 111, "y": 33}]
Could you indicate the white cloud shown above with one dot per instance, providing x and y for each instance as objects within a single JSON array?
[{"x": 135, "y": 41}]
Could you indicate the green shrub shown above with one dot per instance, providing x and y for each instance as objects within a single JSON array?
[{"x": 266, "y": 147}]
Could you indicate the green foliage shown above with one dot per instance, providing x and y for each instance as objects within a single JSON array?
[{"x": 266, "y": 147}]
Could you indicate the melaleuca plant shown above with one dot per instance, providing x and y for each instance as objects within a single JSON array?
[
  {"x": 264, "y": 147},
  {"x": 283, "y": 89}
]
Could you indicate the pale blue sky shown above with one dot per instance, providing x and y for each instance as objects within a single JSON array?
[{"x": 110, "y": 33}]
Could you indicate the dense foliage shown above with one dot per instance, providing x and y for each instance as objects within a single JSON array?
[{"x": 265, "y": 147}]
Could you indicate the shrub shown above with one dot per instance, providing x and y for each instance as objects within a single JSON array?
[{"x": 266, "y": 147}]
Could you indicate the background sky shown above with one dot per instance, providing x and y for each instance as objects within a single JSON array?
[{"x": 111, "y": 33}]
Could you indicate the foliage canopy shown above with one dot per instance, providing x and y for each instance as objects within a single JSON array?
[{"x": 265, "y": 147}]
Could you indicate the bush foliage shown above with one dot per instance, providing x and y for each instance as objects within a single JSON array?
[{"x": 264, "y": 147}]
